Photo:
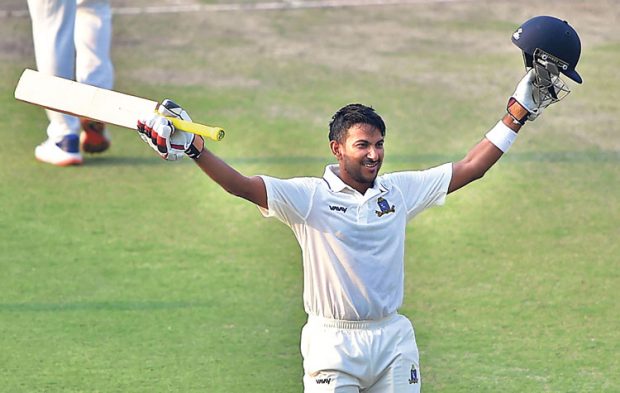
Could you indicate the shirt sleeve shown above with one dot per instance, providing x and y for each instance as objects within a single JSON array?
[
  {"x": 423, "y": 189},
  {"x": 288, "y": 200}
]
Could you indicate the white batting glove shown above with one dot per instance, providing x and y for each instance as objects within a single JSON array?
[
  {"x": 159, "y": 133},
  {"x": 527, "y": 95}
]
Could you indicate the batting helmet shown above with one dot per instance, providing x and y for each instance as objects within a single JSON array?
[{"x": 548, "y": 37}]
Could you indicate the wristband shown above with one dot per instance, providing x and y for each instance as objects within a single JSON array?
[
  {"x": 501, "y": 136},
  {"x": 193, "y": 152}
]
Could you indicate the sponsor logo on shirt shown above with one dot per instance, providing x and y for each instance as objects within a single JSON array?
[
  {"x": 322, "y": 381},
  {"x": 335, "y": 208},
  {"x": 385, "y": 207}
]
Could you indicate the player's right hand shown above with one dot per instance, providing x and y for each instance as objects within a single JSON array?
[{"x": 159, "y": 133}]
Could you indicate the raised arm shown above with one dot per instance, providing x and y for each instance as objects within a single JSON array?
[
  {"x": 251, "y": 188},
  {"x": 173, "y": 144},
  {"x": 479, "y": 159},
  {"x": 521, "y": 107}
]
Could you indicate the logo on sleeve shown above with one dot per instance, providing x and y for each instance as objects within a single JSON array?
[{"x": 385, "y": 207}]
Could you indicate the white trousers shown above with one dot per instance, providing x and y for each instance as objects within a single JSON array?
[
  {"x": 368, "y": 356},
  {"x": 72, "y": 40}
]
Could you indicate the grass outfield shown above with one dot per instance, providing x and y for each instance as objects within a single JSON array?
[{"x": 130, "y": 274}]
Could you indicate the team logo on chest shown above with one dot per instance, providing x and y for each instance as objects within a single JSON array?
[{"x": 384, "y": 207}]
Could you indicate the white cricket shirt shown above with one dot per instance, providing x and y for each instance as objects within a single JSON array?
[{"x": 352, "y": 244}]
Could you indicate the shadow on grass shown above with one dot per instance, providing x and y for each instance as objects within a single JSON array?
[
  {"x": 99, "y": 306},
  {"x": 121, "y": 161}
]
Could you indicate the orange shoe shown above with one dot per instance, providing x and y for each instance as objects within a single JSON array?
[{"x": 94, "y": 137}]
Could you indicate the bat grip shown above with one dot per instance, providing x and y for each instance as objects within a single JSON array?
[{"x": 213, "y": 133}]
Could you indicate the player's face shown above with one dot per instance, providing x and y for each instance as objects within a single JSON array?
[{"x": 360, "y": 156}]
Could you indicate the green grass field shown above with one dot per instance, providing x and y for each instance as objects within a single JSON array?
[{"x": 131, "y": 274}]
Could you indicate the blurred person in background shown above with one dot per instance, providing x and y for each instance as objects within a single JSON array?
[{"x": 72, "y": 40}]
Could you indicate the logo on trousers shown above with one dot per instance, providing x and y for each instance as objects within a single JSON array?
[
  {"x": 414, "y": 375},
  {"x": 322, "y": 381}
]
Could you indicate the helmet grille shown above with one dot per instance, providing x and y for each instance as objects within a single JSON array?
[{"x": 549, "y": 86}]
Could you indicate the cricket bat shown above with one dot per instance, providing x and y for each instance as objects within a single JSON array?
[{"x": 106, "y": 106}]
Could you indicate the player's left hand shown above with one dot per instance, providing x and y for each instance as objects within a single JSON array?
[
  {"x": 526, "y": 96},
  {"x": 159, "y": 133}
]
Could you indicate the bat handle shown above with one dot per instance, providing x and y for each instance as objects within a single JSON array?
[{"x": 213, "y": 133}]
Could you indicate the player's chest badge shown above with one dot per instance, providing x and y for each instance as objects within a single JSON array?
[{"x": 384, "y": 207}]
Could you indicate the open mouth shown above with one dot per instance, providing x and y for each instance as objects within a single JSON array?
[{"x": 371, "y": 164}]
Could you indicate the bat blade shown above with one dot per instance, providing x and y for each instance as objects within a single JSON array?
[{"x": 107, "y": 106}]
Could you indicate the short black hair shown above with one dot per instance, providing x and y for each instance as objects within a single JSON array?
[{"x": 352, "y": 114}]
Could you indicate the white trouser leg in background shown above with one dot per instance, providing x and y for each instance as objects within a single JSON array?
[
  {"x": 53, "y": 24},
  {"x": 69, "y": 35},
  {"x": 93, "y": 36}
]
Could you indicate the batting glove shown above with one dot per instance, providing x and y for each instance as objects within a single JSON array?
[
  {"x": 159, "y": 133},
  {"x": 527, "y": 96}
]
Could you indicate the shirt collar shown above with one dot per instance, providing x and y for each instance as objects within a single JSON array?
[{"x": 335, "y": 183}]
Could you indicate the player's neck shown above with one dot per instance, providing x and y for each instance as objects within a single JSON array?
[{"x": 359, "y": 186}]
